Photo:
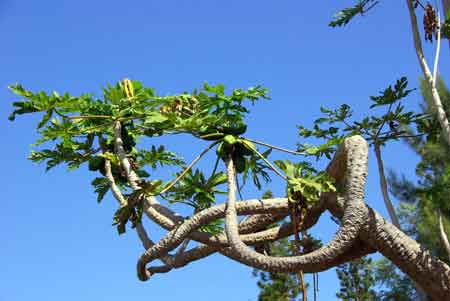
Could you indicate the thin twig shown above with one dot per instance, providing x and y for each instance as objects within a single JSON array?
[
  {"x": 187, "y": 169},
  {"x": 90, "y": 117},
  {"x": 238, "y": 188},
  {"x": 384, "y": 121},
  {"x": 274, "y": 147},
  {"x": 270, "y": 165},
  {"x": 384, "y": 189},
  {"x": 216, "y": 165}
]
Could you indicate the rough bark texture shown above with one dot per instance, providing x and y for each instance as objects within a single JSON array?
[
  {"x": 362, "y": 230},
  {"x": 432, "y": 274},
  {"x": 355, "y": 149}
]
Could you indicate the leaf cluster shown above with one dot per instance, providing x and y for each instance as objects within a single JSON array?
[
  {"x": 80, "y": 129},
  {"x": 339, "y": 123},
  {"x": 196, "y": 190},
  {"x": 305, "y": 184},
  {"x": 344, "y": 16}
]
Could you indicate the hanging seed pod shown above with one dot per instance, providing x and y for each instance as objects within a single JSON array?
[{"x": 430, "y": 22}]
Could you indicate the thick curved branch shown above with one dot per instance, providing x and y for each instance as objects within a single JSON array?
[
  {"x": 358, "y": 250},
  {"x": 153, "y": 209},
  {"x": 258, "y": 222},
  {"x": 432, "y": 273},
  {"x": 142, "y": 233},
  {"x": 355, "y": 149},
  {"x": 185, "y": 230}
]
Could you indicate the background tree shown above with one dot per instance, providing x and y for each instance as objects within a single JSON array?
[
  {"x": 357, "y": 280},
  {"x": 279, "y": 286}
]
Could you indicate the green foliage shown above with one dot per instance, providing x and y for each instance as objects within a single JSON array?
[
  {"x": 304, "y": 182},
  {"x": 214, "y": 227},
  {"x": 158, "y": 156},
  {"x": 356, "y": 280},
  {"x": 76, "y": 130},
  {"x": 257, "y": 169},
  {"x": 247, "y": 159},
  {"x": 127, "y": 214},
  {"x": 101, "y": 187},
  {"x": 395, "y": 286},
  {"x": 445, "y": 27},
  {"x": 422, "y": 200},
  {"x": 344, "y": 16},
  {"x": 337, "y": 124},
  {"x": 392, "y": 94},
  {"x": 197, "y": 191},
  {"x": 143, "y": 114},
  {"x": 278, "y": 286}
]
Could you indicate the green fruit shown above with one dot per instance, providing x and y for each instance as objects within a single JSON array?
[
  {"x": 239, "y": 163},
  {"x": 240, "y": 148},
  {"x": 96, "y": 163},
  {"x": 128, "y": 141},
  {"x": 220, "y": 151}
]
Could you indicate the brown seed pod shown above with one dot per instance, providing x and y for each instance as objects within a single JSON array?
[{"x": 430, "y": 22}]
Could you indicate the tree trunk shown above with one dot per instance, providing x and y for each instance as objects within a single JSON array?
[
  {"x": 436, "y": 99},
  {"x": 444, "y": 236},
  {"x": 384, "y": 188},
  {"x": 432, "y": 274}
]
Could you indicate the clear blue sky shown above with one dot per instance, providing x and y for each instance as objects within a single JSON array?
[{"x": 57, "y": 243}]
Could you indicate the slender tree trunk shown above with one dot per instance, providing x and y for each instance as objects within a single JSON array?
[
  {"x": 444, "y": 236},
  {"x": 437, "y": 103},
  {"x": 389, "y": 206},
  {"x": 384, "y": 188}
]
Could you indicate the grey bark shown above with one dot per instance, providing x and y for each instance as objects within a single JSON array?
[
  {"x": 436, "y": 100},
  {"x": 444, "y": 236},
  {"x": 362, "y": 231}
]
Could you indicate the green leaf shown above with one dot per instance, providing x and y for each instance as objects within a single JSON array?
[
  {"x": 158, "y": 156},
  {"x": 101, "y": 187},
  {"x": 344, "y": 16},
  {"x": 22, "y": 108},
  {"x": 121, "y": 217},
  {"x": 113, "y": 158},
  {"x": 154, "y": 117},
  {"x": 230, "y": 139},
  {"x": 45, "y": 119},
  {"x": 392, "y": 94},
  {"x": 445, "y": 27},
  {"x": 218, "y": 89}
]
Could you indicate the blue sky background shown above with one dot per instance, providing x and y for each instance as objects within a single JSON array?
[{"x": 57, "y": 242}]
